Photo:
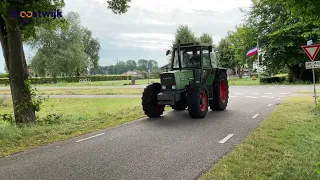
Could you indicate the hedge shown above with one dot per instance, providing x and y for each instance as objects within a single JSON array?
[
  {"x": 50, "y": 80},
  {"x": 274, "y": 79},
  {"x": 4, "y": 75}
]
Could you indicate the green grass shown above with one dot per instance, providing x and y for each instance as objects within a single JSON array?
[
  {"x": 308, "y": 92},
  {"x": 286, "y": 146},
  {"x": 102, "y": 83},
  {"x": 243, "y": 82},
  {"x": 89, "y": 91},
  {"x": 79, "y": 116}
]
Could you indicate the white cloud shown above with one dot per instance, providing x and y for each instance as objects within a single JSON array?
[{"x": 148, "y": 28}]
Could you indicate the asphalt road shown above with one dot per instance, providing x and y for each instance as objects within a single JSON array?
[{"x": 171, "y": 147}]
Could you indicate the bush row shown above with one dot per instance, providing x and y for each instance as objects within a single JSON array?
[
  {"x": 4, "y": 75},
  {"x": 273, "y": 79},
  {"x": 50, "y": 80}
]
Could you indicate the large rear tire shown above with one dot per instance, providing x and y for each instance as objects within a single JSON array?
[
  {"x": 149, "y": 101},
  {"x": 198, "y": 101},
  {"x": 220, "y": 93}
]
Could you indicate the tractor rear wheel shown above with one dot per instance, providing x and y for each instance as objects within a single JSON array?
[
  {"x": 220, "y": 93},
  {"x": 149, "y": 101},
  {"x": 198, "y": 101}
]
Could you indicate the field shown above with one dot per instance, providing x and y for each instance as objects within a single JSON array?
[
  {"x": 64, "y": 118},
  {"x": 286, "y": 146}
]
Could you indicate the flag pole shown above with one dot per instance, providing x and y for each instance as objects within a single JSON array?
[{"x": 258, "y": 59}]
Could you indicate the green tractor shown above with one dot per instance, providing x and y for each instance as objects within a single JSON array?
[{"x": 194, "y": 82}]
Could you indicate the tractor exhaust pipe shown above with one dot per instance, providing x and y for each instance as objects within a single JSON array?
[{"x": 179, "y": 57}]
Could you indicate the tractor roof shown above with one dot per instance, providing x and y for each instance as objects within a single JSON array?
[{"x": 192, "y": 44}]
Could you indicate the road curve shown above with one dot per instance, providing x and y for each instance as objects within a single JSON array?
[{"x": 171, "y": 147}]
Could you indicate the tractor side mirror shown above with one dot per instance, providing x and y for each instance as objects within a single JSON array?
[{"x": 168, "y": 52}]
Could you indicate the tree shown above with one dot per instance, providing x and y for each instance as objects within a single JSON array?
[
  {"x": 184, "y": 34},
  {"x": 143, "y": 65},
  {"x": 65, "y": 50},
  {"x": 206, "y": 38},
  {"x": 226, "y": 54},
  {"x": 281, "y": 37},
  {"x": 242, "y": 42},
  {"x": 13, "y": 33},
  {"x": 131, "y": 65},
  {"x": 91, "y": 48},
  {"x": 306, "y": 10}
]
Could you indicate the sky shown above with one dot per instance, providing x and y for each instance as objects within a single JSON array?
[{"x": 147, "y": 29}]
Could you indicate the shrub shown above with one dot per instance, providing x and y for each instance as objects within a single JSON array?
[
  {"x": 50, "y": 80},
  {"x": 274, "y": 79},
  {"x": 4, "y": 75}
]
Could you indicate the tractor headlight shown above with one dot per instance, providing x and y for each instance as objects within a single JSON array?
[
  {"x": 163, "y": 86},
  {"x": 173, "y": 86}
]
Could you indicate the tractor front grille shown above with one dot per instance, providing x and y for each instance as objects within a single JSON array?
[{"x": 167, "y": 79}]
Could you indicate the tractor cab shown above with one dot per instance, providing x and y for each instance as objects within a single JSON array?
[{"x": 192, "y": 56}]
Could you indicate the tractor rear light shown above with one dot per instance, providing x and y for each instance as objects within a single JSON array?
[
  {"x": 163, "y": 86},
  {"x": 173, "y": 86}
]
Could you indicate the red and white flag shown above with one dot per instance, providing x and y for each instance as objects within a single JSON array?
[{"x": 252, "y": 52}]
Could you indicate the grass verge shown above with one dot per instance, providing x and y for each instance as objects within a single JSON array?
[
  {"x": 286, "y": 146},
  {"x": 307, "y": 92},
  {"x": 92, "y": 91},
  {"x": 60, "y": 119},
  {"x": 101, "y": 83}
]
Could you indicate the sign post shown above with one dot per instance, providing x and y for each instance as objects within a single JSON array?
[
  {"x": 148, "y": 72},
  {"x": 312, "y": 51}
]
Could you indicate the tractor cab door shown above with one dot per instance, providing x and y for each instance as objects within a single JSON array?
[{"x": 209, "y": 64}]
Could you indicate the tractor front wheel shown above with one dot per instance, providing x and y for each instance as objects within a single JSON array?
[
  {"x": 220, "y": 93},
  {"x": 149, "y": 101},
  {"x": 198, "y": 101}
]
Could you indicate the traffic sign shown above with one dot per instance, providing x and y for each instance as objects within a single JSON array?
[
  {"x": 309, "y": 42},
  {"x": 312, "y": 64},
  {"x": 311, "y": 50},
  {"x": 148, "y": 65}
]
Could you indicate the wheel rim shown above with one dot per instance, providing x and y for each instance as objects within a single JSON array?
[
  {"x": 204, "y": 101},
  {"x": 223, "y": 90}
]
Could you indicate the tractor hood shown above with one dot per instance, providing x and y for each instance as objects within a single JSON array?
[{"x": 178, "y": 78}]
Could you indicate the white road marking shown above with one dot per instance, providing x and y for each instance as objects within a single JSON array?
[
  {"x": 251, "y": 97},
  {"x": 268, "y": 97},
  {"x": 90, "y": 137},
  {"x": 267, "y": 93},
  {"x": 282, "y": 96},
  {"x": 255, "y": 93},
  {"x": 233, "y": 96},
  {"x": 225, "y": 139},
  {"x": 255, "y": 116},
  {"x": 239, "y": 93},
  {"x": 282, "y": 87},
  {"x": 270, "y": 105},
  {"x": 279, "y": 98},
  {"x": 283, "y": 93}
]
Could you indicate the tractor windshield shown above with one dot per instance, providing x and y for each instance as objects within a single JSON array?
[{"x": 190, "y": 57}]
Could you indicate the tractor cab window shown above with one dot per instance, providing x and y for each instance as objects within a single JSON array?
[
  {"x": 214, "y": 60},
  {"x": 190, "y": 58},
  {"x": 206, "y": 59}
]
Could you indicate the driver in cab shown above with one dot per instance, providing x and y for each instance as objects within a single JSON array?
[{"x": 195, "y": 59}]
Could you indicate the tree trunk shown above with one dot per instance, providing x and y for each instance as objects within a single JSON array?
[{"x": 11, "y": 41}]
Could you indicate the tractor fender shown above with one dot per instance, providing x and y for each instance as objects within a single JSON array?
[{"x": 219, "y": 69}]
